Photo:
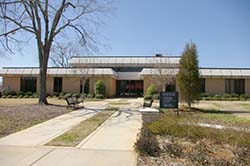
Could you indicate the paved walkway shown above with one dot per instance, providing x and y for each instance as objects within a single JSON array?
[
  {"x": 118, "y": 133},
  {"x": 50, "y": 156},
  {"x": 111, "y": 144},
  {"x": 44, "y": 132}
]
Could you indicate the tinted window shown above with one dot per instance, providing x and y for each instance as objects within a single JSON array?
[
  {"x": 235, "y": 86},
  {"x": 28, "y": 84},
  {"x": 58, "y": 84}
]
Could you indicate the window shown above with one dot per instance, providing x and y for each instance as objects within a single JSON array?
[
  {"x": 58, "y": 84},
  {"x": 86, "y": 86},
  {"x": 28, "y": 84},
  {"x": 235, "y": 86},
  {"x": 127, "y": 69},
  {"x": 203, "y": 85}
]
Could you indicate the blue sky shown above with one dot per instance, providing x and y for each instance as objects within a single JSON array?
[{"x": 220, "y": 28}]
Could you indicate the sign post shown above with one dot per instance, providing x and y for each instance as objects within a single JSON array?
[{"x": 169, "y": 100}]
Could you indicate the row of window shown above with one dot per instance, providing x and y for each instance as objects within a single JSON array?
[
  {"x": 28, "y": 84},
  {"x": 231, "y": 86}
]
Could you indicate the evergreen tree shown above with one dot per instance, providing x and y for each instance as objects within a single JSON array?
[{"x": 188, "y": 76}]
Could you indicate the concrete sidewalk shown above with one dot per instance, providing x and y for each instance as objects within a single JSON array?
[
  {"x": 117, "y": 133},
  {"x": 44, "y": 132},
  {"x": 112, "y": 144},
  {"x": 49, "y": 156}
]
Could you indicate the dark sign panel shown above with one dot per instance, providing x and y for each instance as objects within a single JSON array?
[{"x": 169, "y": 100}]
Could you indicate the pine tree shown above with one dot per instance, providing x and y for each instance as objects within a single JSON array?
[{"x": 188, "y": 76}]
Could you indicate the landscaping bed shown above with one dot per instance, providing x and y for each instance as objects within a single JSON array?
[
  {"x": 14, "y": 118},
  {"x": 172, "y": 140}
]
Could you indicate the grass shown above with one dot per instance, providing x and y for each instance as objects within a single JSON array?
[
  {"x": 18, "y": 117},
  {"x": 74, "y": 136},
  {"x": 184, "y": 127}
]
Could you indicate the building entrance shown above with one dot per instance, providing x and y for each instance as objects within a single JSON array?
[{"x": 129, "y": 88}]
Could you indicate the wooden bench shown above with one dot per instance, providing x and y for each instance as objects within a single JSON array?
[
  {"x": 74, "y": 101},
  {"x": 147, "y": 103}
]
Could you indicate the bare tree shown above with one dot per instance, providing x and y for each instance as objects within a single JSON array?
[
  {"x": 61, "y": 53},
  {"x": 162, "y": 75},
  {"x": 49, "y": 21}
]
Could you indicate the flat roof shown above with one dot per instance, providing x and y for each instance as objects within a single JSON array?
[{"x": 124, "y": 61}]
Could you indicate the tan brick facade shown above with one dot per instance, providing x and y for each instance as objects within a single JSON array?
[
  {"x": 72, "y": 85},
  {"x": 12, "y": 83},
  {"x": 110, "y": 85},
  {"x": 215, "y": 86},
  {"x": 247, "y": 86}
]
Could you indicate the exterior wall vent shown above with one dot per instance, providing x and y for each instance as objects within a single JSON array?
[{"x": 158, "y": 55}]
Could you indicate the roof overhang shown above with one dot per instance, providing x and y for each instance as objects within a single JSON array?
[{"x": 60, "y": 72}]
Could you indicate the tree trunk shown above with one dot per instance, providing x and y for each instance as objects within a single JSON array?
[{"x": 42, "y": 88}]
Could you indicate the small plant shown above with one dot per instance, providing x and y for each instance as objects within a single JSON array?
[
  {"x": 56, "y": 94},
  {"x": 99, "y": 96},
  {"x": 234, "y": 95},
  {"x": 151, "y": 90},
  {"x": 100, "y": 87},
  {"x": 20, "y": 96},
  {"x": 148, "y": 97},
  {"x": 67, "y": 95},
  {"x": 156, "y": 96},
  {"x": 28, "y": 93},
  {"x": 9, "y": 92},
  {"x": 20, "y": 93},
  {"x": 147, "y": 143},
  {"x": 90, "y": 95},
  {"x": 62, "y": 94},
  {"x": 26, "y": 96},
  {"x": 36, "y": 95},
  {"x": 75, "y": 95},
  {"x": 9, "y": 96}
]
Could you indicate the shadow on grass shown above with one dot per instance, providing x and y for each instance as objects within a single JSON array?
[{"x": 217, "y": 111}]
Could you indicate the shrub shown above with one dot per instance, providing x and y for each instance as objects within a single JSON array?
[
  {"x": 99, "y": 96},
  {"x": 151, "y": 90},
  {"x": 234, "y": 95},
  {"x": 204, "y": 95},
  {"x": 90, "y": 95},
  {"x": 147, "y": 143},
  {"x": 9, "y": 92},
  {"x": 0, "y": 94},
  {"x": 26, "y": 96},
  {"x": 56, "y": 94},
  {"x": 28, "y": 93},
  {"x": 156, "y": 96},
  {"x": 14, "y": 96},
  {"x": 75, "y": 95},
  {"x": 67, "y": 95},
  {"x": 9, "y": 96},
  {"x": 226, "y": 95},
  {"x": 20, "y": 93},
  {"x": 36, "y": 95},
  {"x": 100, "y": 87},
  {"x": 4, "y": 96},
  {"x": 62, "y": 94},
  {"x": 148, "y": 97},
  {"x": 20, "y": 96}
]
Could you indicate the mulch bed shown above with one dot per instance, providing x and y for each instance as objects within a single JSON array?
[
  {"x": 16, "y": 118},
  {"x": 184, "y": 152}
]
